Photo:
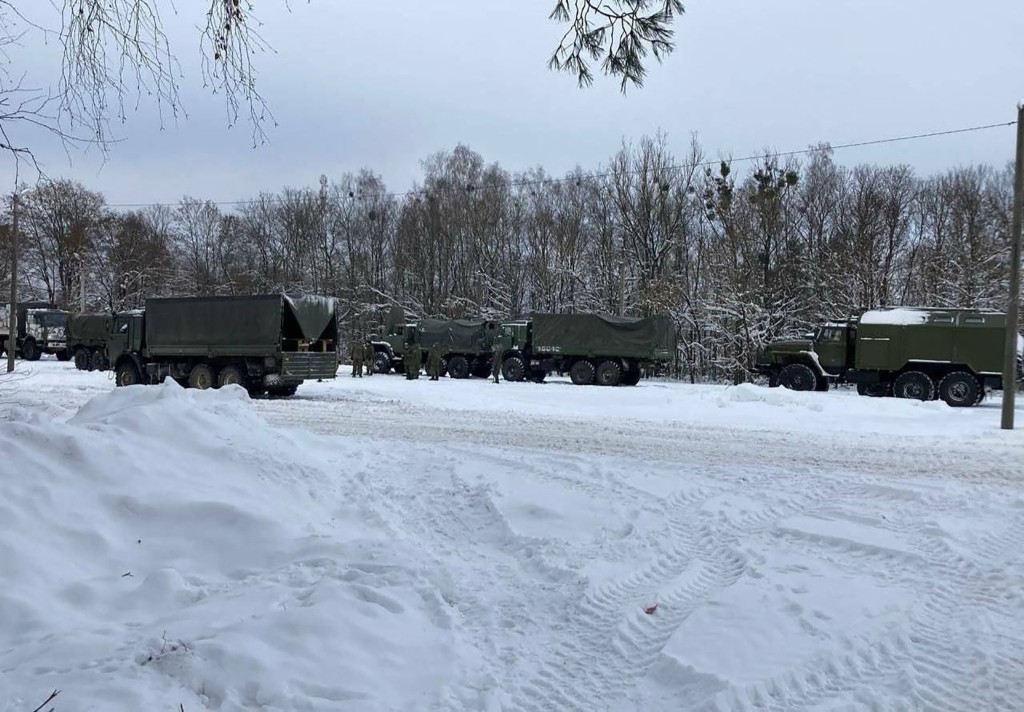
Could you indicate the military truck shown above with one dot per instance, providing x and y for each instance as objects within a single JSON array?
[
  {"x": 87, "y": 336},
  {"x": 591, "y": 348},
  {"x": 267, "y": 343},
  {"x": 40, "y": 330},
  {"x": 466, "y": 345},
  {"x": 921, "y": 353}
]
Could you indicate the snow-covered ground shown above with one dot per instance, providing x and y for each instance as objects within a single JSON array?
[{"x": 378, "y": 544}]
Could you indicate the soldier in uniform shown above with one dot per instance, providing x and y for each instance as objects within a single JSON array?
[
  {"x": 355, "y": 350},
  {"x": 412, "y": 360},
  {"x": 434, "y": 361},
  {"x": 496, "y": 363},
  {"x": 368, "y": 357}
]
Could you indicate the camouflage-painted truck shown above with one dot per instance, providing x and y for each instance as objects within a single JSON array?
[
  {"x": 40, "y": 330},
  {"x": 267, "y": 343},
  {"x": 952, "y": 354},
  {"x": 87, "y": 336},
  {"x": 591, "y": 348},
  {"x": 466, "y": 345}
]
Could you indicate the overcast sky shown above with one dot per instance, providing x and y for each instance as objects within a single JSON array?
[{"x": 384, "y": 85}]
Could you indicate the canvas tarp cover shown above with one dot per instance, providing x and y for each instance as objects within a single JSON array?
[
  {"x": 201, "y": 324},
  {"x": 314, "y": 314},
  {"x": 599, "y": 334},
  {"x": 86, "y": 328},
  {"x": 458, "y": 335}
]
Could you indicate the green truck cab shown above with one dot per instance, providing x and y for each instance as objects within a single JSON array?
[
  {"x": 266, "y": 343},
  {"x": 921, "y": 353},
  {"x": 591, "y": 348}
]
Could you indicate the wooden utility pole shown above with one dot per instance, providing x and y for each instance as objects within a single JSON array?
[
  {"x": 12, "y": 321},
  {"x": 1010, "y": 355}
]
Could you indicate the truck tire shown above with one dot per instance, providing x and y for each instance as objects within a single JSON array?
[
  {"x": 960, "y": 390},
  {"x": 29, "y": 350},
  {"x": 381, "y": 362},
  {"x": 914, "y": 384},
  {"x": 98, "y": 360},
  {"x": 608, "y": 373},
  {"x": 202, "y": 377},
  {"x": 82, "y": 358},
  {"x": 514, "y": 368},
  {"x": 798, "y": 377},
  {"x": 63, "y": 355},
  {"x": 127, "y": 374},
  {"x": 458, "y": 367},
  {"x": 582, "y": 373},
  {"x": 231, "y": 376}
]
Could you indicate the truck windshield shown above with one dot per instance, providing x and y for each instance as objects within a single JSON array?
[{"x": 51, "y": 319}]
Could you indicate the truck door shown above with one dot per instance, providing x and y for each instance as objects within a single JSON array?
[{"x": 830, "y": 346}]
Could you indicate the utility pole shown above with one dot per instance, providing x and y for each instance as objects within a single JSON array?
[
  {"x": 1010, "y": 355},
  {"x": 81, "y": 283},
  {"x": 12, "y": 321}
]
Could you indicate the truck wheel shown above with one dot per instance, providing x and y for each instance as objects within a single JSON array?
[
  {"x": 63, "y": 355},
  {"x": 230, "y": 376},
  {"x": 381, "y": 362},
  {"x": 98, "y": 361},
  {"x": 201, "y": 377},
  {"x": 127, "y": 374},
  {"x": 29, "y": 350},
  {"x": 960, "y": 390},
  {"x": 608, "y": 373},
  {"x": 582, "y": 373},
  {"x": 914, "y": 384},
  {"x": 82, "y": 359},
  {"x": 458, "y": 367},
  {"x": 514, "y": 369},
  {"x": 798, "y": 377}
]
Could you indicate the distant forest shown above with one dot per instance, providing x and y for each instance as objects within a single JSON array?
[{"x": 738, "y": 254}]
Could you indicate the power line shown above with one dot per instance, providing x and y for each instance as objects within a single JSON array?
[{"x": 592, "y": 176}]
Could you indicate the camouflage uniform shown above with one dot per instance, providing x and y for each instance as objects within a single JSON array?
[
  {"x": 355, "y": 350},
  {"x": 496, "y": 364},
  {"x": 412, "y": 360},
  {"x": 434, "y": 362},
  {"x": 369, "y": 355}
]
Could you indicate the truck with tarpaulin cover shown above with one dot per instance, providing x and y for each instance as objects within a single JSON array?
[
  {"x": 87, "y": 336},
  {"x": 466, "y": 345},
  {"x": 592, "y": 348},
  {"x": 266, "y": 343},
  {"x": 906, "y": 352},
  {"x": 40, "y": 330}
]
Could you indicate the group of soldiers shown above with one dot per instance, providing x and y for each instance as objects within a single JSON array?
[{"x": 363, "y": 355}]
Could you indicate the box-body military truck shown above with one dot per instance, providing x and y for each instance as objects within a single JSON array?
[
  {"x": 591, "y": 348},
  {"x": 40, "y": 330},
  {"x": 267, "y": 343},
  {"x": 87, "y": 336},
  {"x": 466, "y": 346},
  {"x": 921, "y": 353}
]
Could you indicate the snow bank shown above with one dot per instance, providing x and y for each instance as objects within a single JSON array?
[{"x": 167, "y": 547}]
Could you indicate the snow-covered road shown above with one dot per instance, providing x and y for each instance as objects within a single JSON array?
[{"x": 381, "y": 544}]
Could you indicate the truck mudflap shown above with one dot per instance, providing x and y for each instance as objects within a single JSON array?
[{"x": 299, "y": 366}]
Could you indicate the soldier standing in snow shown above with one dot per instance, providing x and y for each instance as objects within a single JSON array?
[
  {"x": 496, "y": 363},
  {"x": 412, "y": 360},
  {"x": 368, "y": 357},
  {"x": 434, "y": 362},
  {"x": 355, "y": 351}
]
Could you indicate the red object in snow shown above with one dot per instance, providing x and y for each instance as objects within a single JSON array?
[{"x": 651, "y": 609}]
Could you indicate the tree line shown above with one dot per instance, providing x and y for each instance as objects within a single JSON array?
[{"x": 737, "y": 254}]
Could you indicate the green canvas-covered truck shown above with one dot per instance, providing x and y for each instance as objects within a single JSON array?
[
  {"x": 466, "y": 345},
  {"x": 266, "y": 343},
  {"x": 591, "y": 348},
  {"x": 922, "y": 353},
  {"x": 87, "y": 336}
]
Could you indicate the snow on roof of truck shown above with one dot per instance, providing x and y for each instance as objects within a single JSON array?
[{"x": 895, "y": 316}]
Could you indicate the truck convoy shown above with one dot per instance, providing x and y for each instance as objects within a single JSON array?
[
  {"x": 591, "y": 348},
  {"x": 952, "y": 354},
  {"x": 267, "y": 344},
  {"x": 40, "y": 330},
  {"x": 87, "y": 340}
]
